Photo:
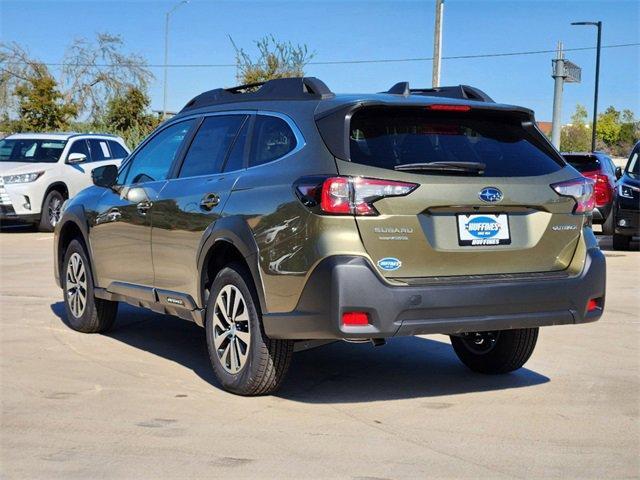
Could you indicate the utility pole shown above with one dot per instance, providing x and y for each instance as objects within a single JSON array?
[
  {"x": 562, "y": 71},
  {"x": 558, "y": 86},
  {"x": 166, "y": 54},
  {"x": 437, "y": 44},
  {"x": 597, "y": 24}
]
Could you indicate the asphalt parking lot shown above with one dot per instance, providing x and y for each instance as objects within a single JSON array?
[{"x": 141, "y": 402}]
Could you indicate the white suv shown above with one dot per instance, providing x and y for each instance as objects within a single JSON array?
[{"x": 39, "y": 171}]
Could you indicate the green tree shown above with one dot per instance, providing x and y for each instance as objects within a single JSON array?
[
  {"x": 576, "y": 137},
  {"x": 128, "y": 110},
  {"x": 275, "y": 59},
  {"x": 41, "y": 105},
  {"x": 608, "y": 127},
  {"x": 128, "y": 115}
]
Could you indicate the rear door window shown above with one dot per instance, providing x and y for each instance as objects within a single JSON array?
[
  {"x": 117, "y": 150},
  {"x": 235, "y": 161},
  {"x": 210, "y": 145},
  {"x": 390, "y": 137},
  {"x": 99, "y": 150},
  {"x": 272, "y": 139}
]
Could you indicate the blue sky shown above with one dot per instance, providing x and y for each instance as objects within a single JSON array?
[{"x": 353, "y": 30}]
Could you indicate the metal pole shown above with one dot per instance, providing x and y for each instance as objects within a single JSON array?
[
  {"x": 166, "y": 54},
  {"x": 166, "y": 58},
  {"x": 595, "y": 96},
  {"x": 597, "y": 24},
  {"x": 437, "y": 42},
  {"x": 558, "y": 76}
]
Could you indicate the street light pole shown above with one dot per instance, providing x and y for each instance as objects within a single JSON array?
[
  {"x": 437, "y": 45},
  {"x": 597, "y": 24},
  {"x": 166, "y": 54}
]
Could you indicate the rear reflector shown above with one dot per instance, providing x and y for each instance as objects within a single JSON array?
[
  {"x": 352, "y": 319},
  {"x": 592, "y": 305},
  {"x": 449, "y": 108}
]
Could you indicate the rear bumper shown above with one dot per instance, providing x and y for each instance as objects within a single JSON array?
[
  {"x": 600, "y": 214},
  {"x": 348, "y": 283}
]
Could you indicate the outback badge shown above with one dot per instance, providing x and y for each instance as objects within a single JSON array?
[{"x": 490, "y": 195}]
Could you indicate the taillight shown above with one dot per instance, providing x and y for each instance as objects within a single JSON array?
[
  {"x": 349, "y": 195},
  {"x": 581, "y": 190},
  {"x": 602, "y": 189}
]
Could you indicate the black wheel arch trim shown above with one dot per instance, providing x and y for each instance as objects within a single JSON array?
[
  {"x": 235, "y": 231},
  {"x": 75, "y": 215}
]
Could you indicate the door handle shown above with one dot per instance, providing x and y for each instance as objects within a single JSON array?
[
  {"x": 113, "y": 215},
  {"x": 143, "y": 207},
  {"x": 209, "y": 201}
]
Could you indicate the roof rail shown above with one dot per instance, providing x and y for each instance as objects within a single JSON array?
[
  {"x": 465, "y": 92},
  {"x": 297, "y": 88}
]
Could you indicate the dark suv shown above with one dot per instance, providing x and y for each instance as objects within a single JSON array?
[
  {"x": 281, "y": 214},
  {"x": 627, "y": 202},
  {"x": 600, "y": 168}
]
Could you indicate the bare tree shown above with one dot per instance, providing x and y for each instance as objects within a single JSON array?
[
  {"x": 95, "y": 72},
  {"x": 92, "y": 74},
  {"x": 16, "y": 67}
]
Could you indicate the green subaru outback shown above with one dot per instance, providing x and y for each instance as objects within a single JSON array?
[{"x": 281, "y": 215}]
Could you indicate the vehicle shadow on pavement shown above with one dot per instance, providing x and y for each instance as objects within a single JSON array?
[
  {"x": 605, "y": 242},
  {"x": 407, "y": 367},
  {"x": 15, "y": 227}
]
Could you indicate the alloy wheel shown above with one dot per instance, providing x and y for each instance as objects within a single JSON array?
[
  {"x": 232, "y": 330},
  {"x": 54, "y": 209},
  {"x": 76, "y": 285}
]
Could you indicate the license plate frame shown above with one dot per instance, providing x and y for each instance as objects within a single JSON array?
[{"x": 483, "y": 229}]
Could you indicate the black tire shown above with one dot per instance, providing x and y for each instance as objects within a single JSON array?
[
  {"x": 507, "y": 351},
  {"x": 266, "y": 361},
  {"x": 51, "y": 211},
  {"x": 621, "y": 242},
  {"x": 607, "y": 226},
  {"x": 98, "y": 315}
]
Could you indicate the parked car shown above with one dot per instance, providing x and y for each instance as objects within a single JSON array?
[
  {"x": 627, "y": 202},
  {"x": 287, "y": 213},
  {"x": 600, "y": 168},
  {"x": 39, "y": 171}
]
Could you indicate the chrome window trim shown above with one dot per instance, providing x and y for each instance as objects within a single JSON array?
[{"x": 300, "y": 140}]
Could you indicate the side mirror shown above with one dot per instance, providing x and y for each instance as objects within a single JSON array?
[
  {"x": 76, "y": 158},
  {"x": 104, "y": 176},
  {"x": 618, "y": 173}
]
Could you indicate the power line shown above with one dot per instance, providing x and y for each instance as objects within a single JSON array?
[{"x": 329, "y": 62}]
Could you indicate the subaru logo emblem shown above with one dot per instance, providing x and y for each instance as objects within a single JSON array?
[{"x": 490, "y": 195}]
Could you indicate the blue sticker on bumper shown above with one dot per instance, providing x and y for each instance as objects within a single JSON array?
[{"x": 389, "y": 264}]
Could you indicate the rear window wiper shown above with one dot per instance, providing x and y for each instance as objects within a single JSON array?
[{"x": 458, "y": 167}]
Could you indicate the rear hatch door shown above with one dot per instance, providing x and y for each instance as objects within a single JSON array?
[{"x": 483, "y": 204}]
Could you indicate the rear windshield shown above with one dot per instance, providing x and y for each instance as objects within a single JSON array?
[
  {"x": 389, "y": 137},
  {"x": 583, "y": 163}
]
